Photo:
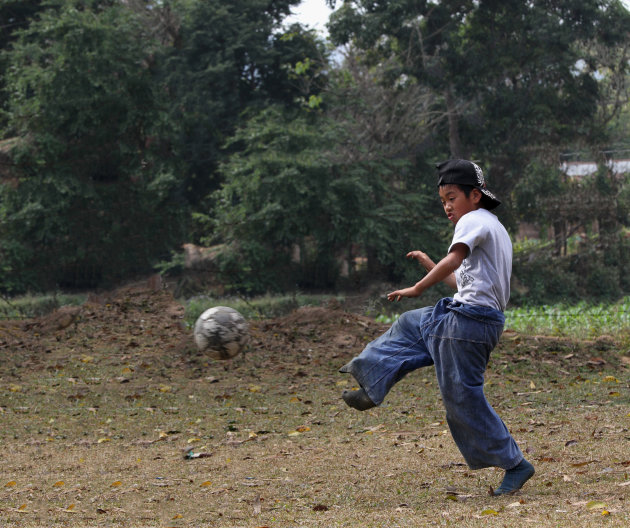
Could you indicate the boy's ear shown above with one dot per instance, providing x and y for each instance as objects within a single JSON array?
[{"x": 476, "y": 195}]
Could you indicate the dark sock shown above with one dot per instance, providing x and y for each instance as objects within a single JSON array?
[
  {"x": 515, "y": 478},
  {"x": 358, "y": 399}
]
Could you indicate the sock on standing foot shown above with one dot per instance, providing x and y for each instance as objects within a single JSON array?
[
  {"x": 515, "y": 478},
  {"x": 358, "y": 399}
]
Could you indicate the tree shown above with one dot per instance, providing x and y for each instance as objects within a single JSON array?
[
  {"x": 14, "y": 16},
  {"x": 93, "y": 202},
  {"x": 291, "y": 208},
  {"x": 229, "y": 58},
  {"x": 512, "y": 78}
]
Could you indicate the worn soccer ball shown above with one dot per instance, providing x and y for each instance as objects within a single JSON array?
[{"x": 221, "y": 332}]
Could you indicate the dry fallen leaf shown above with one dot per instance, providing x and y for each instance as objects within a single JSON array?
[
  {"x": 580, "y": 464},
  {"x": 596, "y": 362}
]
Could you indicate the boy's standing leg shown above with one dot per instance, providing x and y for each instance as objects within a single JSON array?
[{"x": 460, "y": 345}]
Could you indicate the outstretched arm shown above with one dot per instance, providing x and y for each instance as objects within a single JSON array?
[{"x": 440, "y": 272}]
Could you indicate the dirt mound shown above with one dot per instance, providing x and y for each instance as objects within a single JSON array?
[
  {"x": 145, "y": 319},
  {"x": 327, "y": 327},
  {"x": 136, "y": 312}
]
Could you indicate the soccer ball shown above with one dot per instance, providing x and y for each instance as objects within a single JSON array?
[{"x": 221, "y": 332}]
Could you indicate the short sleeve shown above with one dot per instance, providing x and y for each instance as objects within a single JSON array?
[{"x": 469, "y": 232}]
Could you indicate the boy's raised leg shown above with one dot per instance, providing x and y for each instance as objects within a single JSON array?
[{"x": 358, "y": 399}]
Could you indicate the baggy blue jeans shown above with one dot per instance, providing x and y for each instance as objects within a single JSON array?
[{"x": 457, "y": 338}]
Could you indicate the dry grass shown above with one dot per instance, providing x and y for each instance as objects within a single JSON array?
[{"x": 96, "y": 420}]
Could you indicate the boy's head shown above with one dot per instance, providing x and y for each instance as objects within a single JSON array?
[{"x": 467, "y": 176}]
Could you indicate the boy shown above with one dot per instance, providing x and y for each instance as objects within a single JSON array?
[{"x": 457, "y": 334}]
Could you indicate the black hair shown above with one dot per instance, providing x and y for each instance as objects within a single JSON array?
[{"x": 467, "y": 189}]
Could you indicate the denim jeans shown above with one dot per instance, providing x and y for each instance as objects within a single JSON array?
[{"x": 457, "y": 339}]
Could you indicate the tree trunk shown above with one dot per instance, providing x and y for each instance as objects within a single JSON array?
[{"x": 455, "y": 142}]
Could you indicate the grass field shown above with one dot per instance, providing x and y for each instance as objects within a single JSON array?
[{"x": 115, "y": 420}]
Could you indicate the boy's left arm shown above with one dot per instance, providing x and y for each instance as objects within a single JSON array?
[{"x": 441, "y": 271}]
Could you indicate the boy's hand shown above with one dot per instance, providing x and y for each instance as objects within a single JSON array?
[
  {"x": 422, "y": 258},
  {"x": 399, "y": 294}
]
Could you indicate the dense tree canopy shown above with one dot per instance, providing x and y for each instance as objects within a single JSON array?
[
  {"x": 229, "y": 58},
  {"x": 293, "y": 210},
  {"x": 90, "y": 196},
  {"x": 511, "y": 77},
  {"x": 129, "y": 127},
  {"x": 14, "y": 15}
]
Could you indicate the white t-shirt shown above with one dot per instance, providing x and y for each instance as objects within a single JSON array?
[{"x": 484, "y": 276}]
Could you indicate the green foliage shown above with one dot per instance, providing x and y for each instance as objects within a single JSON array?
[
  {"x": 80, "y": 89},
  {"x": 280, "y": 193},
  {"x": 29, "y": 306},
  {"x": 579, "y": 320},
  {"x": 291, "y": 208},
  {"x": 594, "y": 272},
  {"x": 511, "y": 80},
  {"x": 127, "y": 116},
  {"x": 229, "y": 60},
  {"x": 92, "y": 203},
  {"x": 14, "y": 16}
]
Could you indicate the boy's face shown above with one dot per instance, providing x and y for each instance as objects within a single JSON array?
[{"x": 455, "y": 202}]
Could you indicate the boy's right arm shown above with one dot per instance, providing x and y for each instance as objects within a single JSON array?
[{"x": 428, "y": 265}]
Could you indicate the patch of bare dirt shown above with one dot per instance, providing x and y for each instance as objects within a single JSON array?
[{"x": 146, "y": 312}]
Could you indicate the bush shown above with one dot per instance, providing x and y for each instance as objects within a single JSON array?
[{"x": 593, "y": 274}]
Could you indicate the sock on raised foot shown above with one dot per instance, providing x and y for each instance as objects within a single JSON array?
[
  {"x": 515, "y": 478},
  {"x": 358, "y": 399}
]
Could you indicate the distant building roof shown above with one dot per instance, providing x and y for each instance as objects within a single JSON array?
[{"x": 578, "y": 169}]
